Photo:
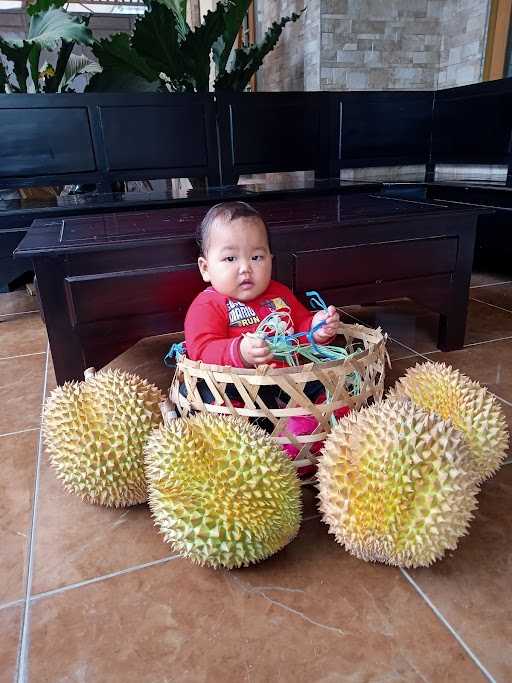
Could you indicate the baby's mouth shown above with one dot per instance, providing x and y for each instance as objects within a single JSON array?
[{"x": 246, "y": 283}]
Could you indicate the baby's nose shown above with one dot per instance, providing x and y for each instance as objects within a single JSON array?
[{"x": 245, "y": 265}]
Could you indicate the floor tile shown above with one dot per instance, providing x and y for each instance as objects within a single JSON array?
[
  {"x": 23, "y": 334},
  {"x": 21, "y": 387},
  {"x": 51, "y": 381},
  {"x": 403, "y": 320},
  {"x": 311, "y": 613},
  {"x": 479, "y": 278},
  {"x": 471, "y": 587},
  {"x": 17, "y": 302},
  {"x": 416, "y": 327},
  {"x": 18, "y": 457},
  {"x": 146, "y": 359},
  {"x": 485, "y": 323},
  {"x": 76, "y": 541},
  {"x": 10, "y": 619},
  {"x": 490, "y": 364},
  {"x": 497, "y": 295}
]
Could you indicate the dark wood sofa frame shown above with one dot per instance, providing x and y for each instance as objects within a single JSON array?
[{"x": 88, "y": 269}]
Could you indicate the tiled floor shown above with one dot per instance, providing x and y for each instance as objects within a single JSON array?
[{"x": 93, "y": 595}]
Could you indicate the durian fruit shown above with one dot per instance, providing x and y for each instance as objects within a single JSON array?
[
  {"x": 221, "y": 490},
  {"x": 95, "y": 432},
  {"x": 471, "y": 408},
  {"x": 396, "y": 484}
]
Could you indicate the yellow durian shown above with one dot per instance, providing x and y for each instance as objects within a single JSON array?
[
  {"x": 221, "y": 490},
  {"x": 95, "y": 433},
  {"x": 470, "y": 407},
  {"x": 396, "y": 485}
]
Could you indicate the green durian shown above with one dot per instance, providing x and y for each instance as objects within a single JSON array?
[
  {"x": 396, "y": 484},
  {"x": 95, "y": 433},
  {"x": 470, "y": 407},
  {"x": 221, "y": 491}
]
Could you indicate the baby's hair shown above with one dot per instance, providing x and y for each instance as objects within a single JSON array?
[{"x": 227, "y": 212}]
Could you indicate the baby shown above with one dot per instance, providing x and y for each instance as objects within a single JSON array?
[{"x": 237, "y": 262}]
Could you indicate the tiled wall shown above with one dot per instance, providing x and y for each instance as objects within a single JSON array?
[
  {"x": 376, "y": 44},
  {"x": 284, "y": 66},
  {"x": 464, "y": 29}
]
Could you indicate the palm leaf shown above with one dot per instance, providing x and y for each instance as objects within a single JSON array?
[
  {"x": 123, "y": 69},
  {"x": 179, "y": 7},
  {"x": 17, "y": 52},
  {"x": 3, "y": 78},
  {"x": 52, "y": 84},
  {"x": 197, "y": 47},
  {"x": 235, "y": 13},
  {"x": 156, "y": 40},
  {"x": 48, "y": 29},
  {"x": 249, "y": 59},
  {"x": 78, "y": 65}
]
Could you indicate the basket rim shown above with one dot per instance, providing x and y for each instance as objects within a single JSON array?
[{"x": 267, "y": 370}]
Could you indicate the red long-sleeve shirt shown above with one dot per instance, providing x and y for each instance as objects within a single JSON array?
[{"x": 215, "y": 323}]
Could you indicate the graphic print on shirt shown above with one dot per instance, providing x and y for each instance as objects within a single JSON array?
[
  {"x": 276, "y": 304},
  {"x": 286, "y": 323},
  {"x": 241, "y": 315}
]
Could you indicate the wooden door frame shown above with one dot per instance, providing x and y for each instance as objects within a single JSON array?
[{"x": 497, "y": 39}]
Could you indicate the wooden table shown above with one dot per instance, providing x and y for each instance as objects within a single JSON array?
[{"x": 106, "y": 281}]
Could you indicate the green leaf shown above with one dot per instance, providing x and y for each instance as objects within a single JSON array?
[
  {"x": 42, "y": 5},
  {"x": 17, "y": 52},
  {"x": 52, "y": 84},
  {"x": 156, "y": 40},
  {"x": 197, "y": 47},
  {"x": 3, "y": 78},
  {"x": 235, "y": 13},
  {"x": 179, "y": 7},
  {"x": 249, "y": 59},
  {"x": 123, "y": 69},
  {"x": 33, "y": 61},
  {"x": 55, "y": 25},
  {"x": 78, "y": 65}
]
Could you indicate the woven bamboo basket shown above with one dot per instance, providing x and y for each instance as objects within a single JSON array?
[{"x": 368, "y": 362}]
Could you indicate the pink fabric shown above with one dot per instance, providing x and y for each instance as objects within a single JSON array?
[{"x": 306, "y": 424}]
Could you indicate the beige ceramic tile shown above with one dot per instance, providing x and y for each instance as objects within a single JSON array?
[
  {"x": 311, "y": 613},
  {"x": 21, "y": 335},
  {"x": 10, "y": 619},
  {"x": 146, "y": 359},
  {"x": 497, "y": 295},
  {"x": 471, "y": 586},
  {"x": 479, "y": 278},
  {"x": 76, "y": 541},
  {"x": 18, "y": 457},
  {"x": 21, "y": 387},
  {"x": 416, "y": 327},
  {"x": 17, "y": 302}
]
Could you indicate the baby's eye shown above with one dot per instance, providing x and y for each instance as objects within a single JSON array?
[
  {"x": 230, "y": 259},
  {"x": 258, "y": 257}
]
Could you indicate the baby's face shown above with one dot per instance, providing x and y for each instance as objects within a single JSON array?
[{"x": 238, "y": 262}]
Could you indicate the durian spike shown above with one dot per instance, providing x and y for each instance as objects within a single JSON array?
[
  {"x": 397, "y": 484},
  {"x": 95, "y": 433},
  {"x": 221, "y": 491}
]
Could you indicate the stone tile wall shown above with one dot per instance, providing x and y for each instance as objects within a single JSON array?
[
  {"x": 284, "y": 66},
  {"x": 376, "y": 44},
  {"x": 464, "y": 30}
]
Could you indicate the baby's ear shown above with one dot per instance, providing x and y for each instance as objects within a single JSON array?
[{"x": 203, "y": 268}]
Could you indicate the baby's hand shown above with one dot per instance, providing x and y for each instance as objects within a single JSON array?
[
  {"x": 255, "y": 351},
  {"x": 332, "y": 319}
]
